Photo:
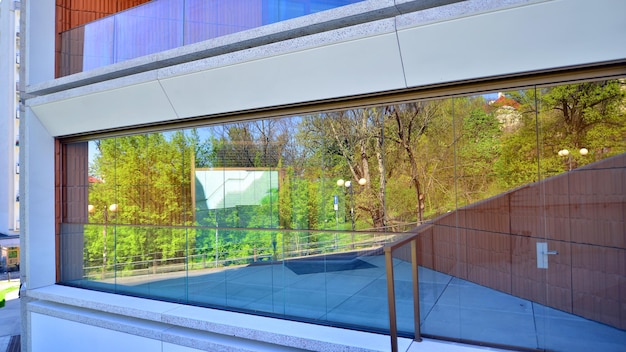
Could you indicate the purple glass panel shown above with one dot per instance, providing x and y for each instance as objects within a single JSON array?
[
  {"x": 206, "y": 19},
  {"x": 148, "y": 29},
  {"x": 98, "y": 44}
]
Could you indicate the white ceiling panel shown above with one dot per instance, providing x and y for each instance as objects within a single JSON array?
[
  {"x": 129, "y": 105},
  {"x": 356, "y": 67}
]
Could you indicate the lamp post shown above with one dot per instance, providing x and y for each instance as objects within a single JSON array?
[
  {"x": 349, "y": 188},
  {"x": 568, "y": 155},
  {"x": 113, "y": 209}
]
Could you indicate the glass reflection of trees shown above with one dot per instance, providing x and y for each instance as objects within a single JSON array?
[{"x": 420, "y": 159}]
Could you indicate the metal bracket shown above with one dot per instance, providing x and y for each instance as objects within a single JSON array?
[{"x": 542, "y": 255}]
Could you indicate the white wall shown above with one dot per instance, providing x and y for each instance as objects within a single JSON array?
[
  {"x": 39, "y": 37},
  {"x": 7, "y": 113},
  {"x": 37, "y": 202},
  {"x": 54, "y": 334}
]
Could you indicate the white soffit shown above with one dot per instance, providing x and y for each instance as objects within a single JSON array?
[
  {"x": 361, "y": 66},
  {"x": 128, "y": 105},
  {"x": 534, "y": 37}
]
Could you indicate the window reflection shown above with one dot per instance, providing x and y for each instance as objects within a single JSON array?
[
  {"x": 417, "y": 160},
  {"x": 482, "y": 178}
]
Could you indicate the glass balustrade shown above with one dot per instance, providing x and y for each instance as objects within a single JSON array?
[{"x": 167, "y": 24}]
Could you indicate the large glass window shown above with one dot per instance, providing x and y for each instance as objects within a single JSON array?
[{"x": 516, "y": 198}]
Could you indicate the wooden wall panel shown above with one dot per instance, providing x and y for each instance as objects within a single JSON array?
[
  {"x": 599, "y": 279},
  {"x": 74, "y": 184},
  {"x": 553, "y": 205},
  {"x": 526, "y": 217},
  {"x": 450, "y": 252},
  {"x": 527, "y": 281},
  {"x": 489, "y": 259},
  {"x": 580, "y": 214}
]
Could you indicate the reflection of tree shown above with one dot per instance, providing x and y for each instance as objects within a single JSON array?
[
  {"x": 411, "y": 122},
  {"x": 478, "y": 145},
  {"x": 356, "y": 138},
  {"x": 419, "y": 159},
  {"x": 250, "y": 144},
  {"x": 147, "y": 176},
  {"x": 586, "y": 115}
]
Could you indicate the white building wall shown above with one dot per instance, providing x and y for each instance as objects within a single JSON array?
[
  {"x": 396, "y": 53},
  {"x": 9, "y": 125}
]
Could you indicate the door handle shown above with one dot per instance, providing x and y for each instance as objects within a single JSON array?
[{"x": 542, "y": 255}]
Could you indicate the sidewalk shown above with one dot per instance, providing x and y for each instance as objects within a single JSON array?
[{"x": 10, "y": 314}]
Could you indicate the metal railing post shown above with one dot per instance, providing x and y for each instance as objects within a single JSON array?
[
  {"x": 391, "y": 298},
  {"x": 416, "y": 292}
]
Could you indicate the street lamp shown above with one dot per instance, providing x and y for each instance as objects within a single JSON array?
[
  {"x": 112, "y": 209},
  {"x": 348, "y": 185},
  {"x": 568, "y": 155}
]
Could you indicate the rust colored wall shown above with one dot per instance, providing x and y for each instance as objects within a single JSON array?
[
  {"x": 74, "y": 13},
  {"x": 581, "y": 214},
  {"x": 72, "y": 189}
]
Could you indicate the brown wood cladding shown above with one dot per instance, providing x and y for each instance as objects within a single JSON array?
[
  {"x": 75, "y": 13},
  {"x": 581, "y": 214},
  {"x": 74, "y": 200}
]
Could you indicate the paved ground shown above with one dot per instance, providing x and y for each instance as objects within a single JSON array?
[
  {"x": 10, "y": 317},
  {"x": 357, "y": 296}
]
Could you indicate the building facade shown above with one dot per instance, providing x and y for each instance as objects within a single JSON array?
[
  {"x": 336, "y": 129},
  {"x": 9, "y": 157}
]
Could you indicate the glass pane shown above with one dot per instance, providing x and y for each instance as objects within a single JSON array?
[
  {"x": 98, "y": 44},
  {"x": 258, "y": 216},
  {"x": 210, "y": 19},
  {"x": 582, "y": 163},
  {"x": 151, "y": 28}
]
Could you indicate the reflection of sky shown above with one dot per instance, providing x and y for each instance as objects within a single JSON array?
[
  {"x": 490, "y": 96},
  {"x": 93, "y": 152}
]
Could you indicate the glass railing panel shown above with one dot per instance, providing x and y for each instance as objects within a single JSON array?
[
  {"x": 166, "y": 24},
  {"x": 296, "y": 274},
  {"x": 281, "y": 10},
  {"x": 98, "y": 44},
  {"x": 211, "y": 19},
  {"x": 151, "y": 28},
  {"x": 357, "y": 284},
  {"x": 152, "y": 262}
]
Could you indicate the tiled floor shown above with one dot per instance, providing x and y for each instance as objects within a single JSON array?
[{"x": 449, "y": 306}]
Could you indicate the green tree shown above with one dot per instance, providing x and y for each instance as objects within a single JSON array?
[{"x": 148, "y": 178}]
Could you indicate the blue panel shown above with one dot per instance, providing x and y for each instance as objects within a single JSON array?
[
  {"x": 98, "y": 43},
  {"x": 151, "y": 28},
  {"x": 207, "y": 19},
  {"x": 281, "y": 10}
]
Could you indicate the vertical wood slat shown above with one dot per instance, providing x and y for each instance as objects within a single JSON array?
[{"x": 74, "y": 194}]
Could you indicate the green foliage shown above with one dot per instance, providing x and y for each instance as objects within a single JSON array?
[
  {"x": 4, "y": 292},
  {"x": 446, "y": 152}
]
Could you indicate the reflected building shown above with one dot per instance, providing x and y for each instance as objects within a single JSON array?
[{"x": 324, "y": 175}]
